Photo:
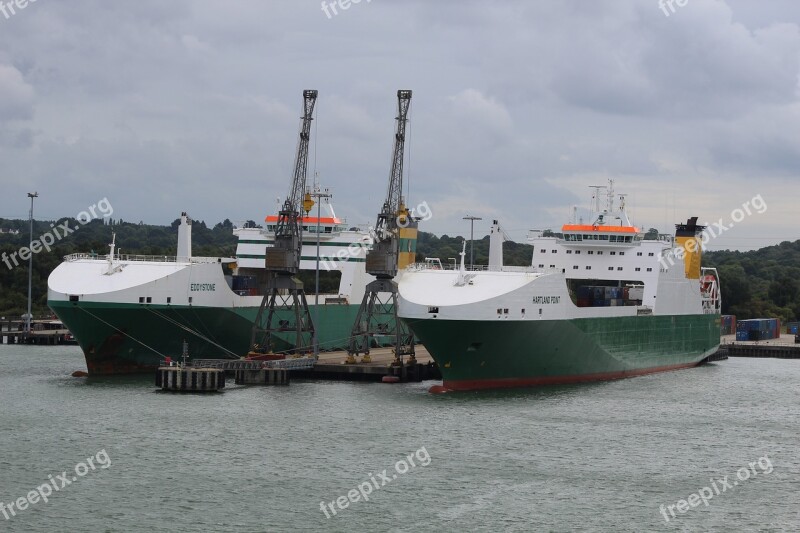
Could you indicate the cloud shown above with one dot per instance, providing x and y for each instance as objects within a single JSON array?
[
  {"x": 518, "y": 106},
  {"x": 16, "y": 95}
]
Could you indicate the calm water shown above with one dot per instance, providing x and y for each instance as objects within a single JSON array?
[{"x": 600, "y": 457}]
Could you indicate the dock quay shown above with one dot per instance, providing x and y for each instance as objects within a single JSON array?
[
  {"x": 331, "y": 366},
  {"x": 782, "y": 348},
  {"x": 50, "y": 333},
  {"x": 720, "y": 355}
]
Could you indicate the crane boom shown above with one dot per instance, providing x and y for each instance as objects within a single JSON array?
[
  {"x": 394, "y": 192},
  {"x": 382, "y": 259},
  {"x": 284, "y": 255},
  {"x": 301, "y": 159}
]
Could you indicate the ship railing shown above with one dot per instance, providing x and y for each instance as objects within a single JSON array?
[
  {"x": 142, "y": 258},
  {"x": 474, "y": 268},
  {"x": 245, "y": 364},
  {"x": 76, "y": 257}
]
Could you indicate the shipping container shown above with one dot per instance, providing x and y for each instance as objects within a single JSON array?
[
  {"x": 761, "y": 328},
  {"x": 727, "y": 324},
  {"x": 636, "y": 293}
]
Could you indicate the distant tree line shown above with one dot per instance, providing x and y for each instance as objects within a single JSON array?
[
  {"x": 759, "y": 283},
  {"x": 93, "y": 237}
]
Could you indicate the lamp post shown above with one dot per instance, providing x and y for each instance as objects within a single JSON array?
[
  {"x": 471, "y": 238},
  {"x": 31, "y": 195},
  {"x": 318, "y": 195}
]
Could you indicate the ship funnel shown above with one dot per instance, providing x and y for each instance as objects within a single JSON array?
[
  {"x": 185, "y": 238},
  {"x": 496, "y": 238},
  {"x": 407, "y": 243},
  {"x": 686, "y": 238}
]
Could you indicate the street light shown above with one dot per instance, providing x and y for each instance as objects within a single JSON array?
[
  {"x": 31, "y": 195},
  {"x": 471, "y": 237},
  {"x": 318, "y": 195}
]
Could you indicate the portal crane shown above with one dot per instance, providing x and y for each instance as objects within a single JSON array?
[
  {"x": 284, "y": 292},
  {"x": 377, "y": 315}
]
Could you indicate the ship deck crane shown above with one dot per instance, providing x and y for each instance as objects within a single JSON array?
[
  {"x": 377, "y": 315},
  {"x": 284, "y": 292}
]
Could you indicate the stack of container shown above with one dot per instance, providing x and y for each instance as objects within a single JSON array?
[
  {"x": 727, "y": 324},
  {"x": 603, "y": 296},
  {"x": 613, "y": 295},
  {"x": 244, "y": 285},
  {"x": 758, "y": 329},
  {"x": 585, "y": 296}
]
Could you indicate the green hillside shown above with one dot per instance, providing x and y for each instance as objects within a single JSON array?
[{"x": 760, "y": 283}]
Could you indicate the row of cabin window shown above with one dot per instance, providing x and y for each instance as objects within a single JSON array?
[
  {"x": 149, "y": 299},
  {"x": 594, "y": 237},
  {"x": 590, "y": 252},
  {"x": 311, "y": 229},
  {"x": 589, "y": 267}
]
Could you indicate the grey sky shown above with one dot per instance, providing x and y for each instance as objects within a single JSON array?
[{"x": 518, "y": 107}]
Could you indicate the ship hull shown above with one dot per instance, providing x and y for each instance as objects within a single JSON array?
[
  {"x": 119, "y": 338},
  {"x": 498, "y": 354}
]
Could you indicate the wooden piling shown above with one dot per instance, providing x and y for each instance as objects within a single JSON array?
[{"x": 188, "y": 379}]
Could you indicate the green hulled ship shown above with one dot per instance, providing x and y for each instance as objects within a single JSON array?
[
  {"x": 130, "y": 312},
  {"x": 598, "y": 302}
]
